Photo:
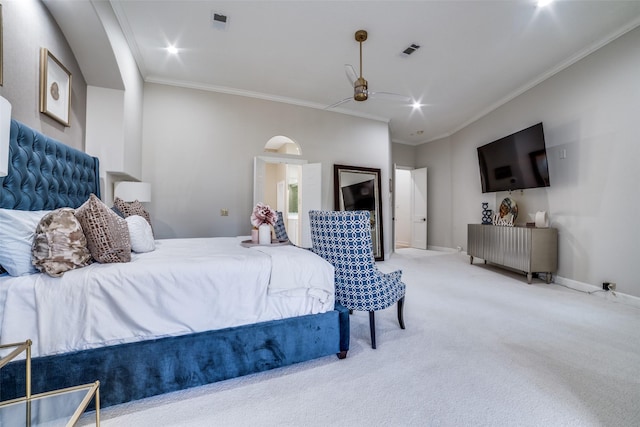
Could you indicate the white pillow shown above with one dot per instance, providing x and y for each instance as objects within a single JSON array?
[
  {"x": 17, "y": 231},
  {"x": 140, "y": 234}
]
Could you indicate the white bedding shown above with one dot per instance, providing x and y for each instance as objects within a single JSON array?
[{"x": 184, "y": 286}]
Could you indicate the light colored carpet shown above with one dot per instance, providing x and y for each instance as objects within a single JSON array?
[{"x": 481, "y": 348}]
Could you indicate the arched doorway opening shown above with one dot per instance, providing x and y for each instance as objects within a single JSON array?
[{"x": 280, "y": 178}]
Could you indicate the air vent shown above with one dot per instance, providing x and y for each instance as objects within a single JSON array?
[
  {"x": 219, "y": 20},
  {"x": 412, "y": 48}
]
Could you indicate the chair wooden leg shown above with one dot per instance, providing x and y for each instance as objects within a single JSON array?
[
  {"x": 372, "y": 326},
  {"x": 400, "y": 312}
]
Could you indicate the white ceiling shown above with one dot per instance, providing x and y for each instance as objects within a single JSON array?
[{"x": 474, "y": 55}]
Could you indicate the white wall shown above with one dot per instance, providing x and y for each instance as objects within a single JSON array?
[
  {"x": 198, "y": 150},
  {"x": 27, "y": 26},
  {"x": 114, "y": 118},
  {"x": 591, "y": 110},
  {"x": 436, "y": 156}
]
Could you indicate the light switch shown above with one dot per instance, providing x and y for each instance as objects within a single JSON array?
[{"x": 224, "y": 212}]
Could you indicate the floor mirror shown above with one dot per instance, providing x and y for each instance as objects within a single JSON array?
[{"x": 359, "y": 188}]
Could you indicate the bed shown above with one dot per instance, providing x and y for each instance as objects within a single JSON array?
[{"x": 190, "y": 312}]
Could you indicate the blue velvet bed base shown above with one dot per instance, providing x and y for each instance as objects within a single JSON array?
[{"x": 146, "y": 368}]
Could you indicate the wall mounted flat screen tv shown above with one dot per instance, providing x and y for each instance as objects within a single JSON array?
[{"x": 515, "y": 162}]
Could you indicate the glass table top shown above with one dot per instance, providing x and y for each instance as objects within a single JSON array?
[{"x": 52, "y": 409}]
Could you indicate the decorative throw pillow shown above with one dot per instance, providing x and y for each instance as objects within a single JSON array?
[
  {"x": 17, "y": 230},
  {"x": 107, "y": 234},
  {"x": 140, "y": 234},
  {"x": 132, "y": 208},
  {"x": 59, "y": 244}
]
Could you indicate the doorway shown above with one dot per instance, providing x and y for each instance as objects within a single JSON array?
[
  {"x": 402, "y": 213},
  {"x": 410, "y": 208},
  {"x": 284, "y": 190}
]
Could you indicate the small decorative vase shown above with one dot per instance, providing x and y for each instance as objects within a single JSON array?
[
  {"x": 254, "y": 235},
  {"x": 264, "y": 234},
  {"x": 486, "y": 213}
]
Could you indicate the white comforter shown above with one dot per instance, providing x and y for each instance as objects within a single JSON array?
[{"x": 184, "y": 286}]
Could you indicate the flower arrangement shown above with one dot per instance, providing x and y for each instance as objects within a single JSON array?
[{"x": 263, "y": 214}]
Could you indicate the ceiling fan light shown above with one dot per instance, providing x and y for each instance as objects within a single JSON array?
[{"x": 361, "y": 92}]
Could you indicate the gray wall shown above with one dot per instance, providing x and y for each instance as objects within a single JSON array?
[
  {"x": 591, "y": 110},
  {"x": 198, "y": 149},
  {"x": 436, "y": 156},
  {"x": 28, "y": 26},
  {"x": 403, "y": 155}
]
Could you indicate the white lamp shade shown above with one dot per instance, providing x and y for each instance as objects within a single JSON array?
[
  {"x": 5, "y": 130},
  {"x": 130, "y": 191}
]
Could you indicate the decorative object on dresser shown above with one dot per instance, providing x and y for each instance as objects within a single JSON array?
[
  {"x": 55, "y": 88},
  {"x": 541, "y": 219},
  {"x": 486, "y": 213},
  {"x": 530, "y": 250},
  {"x": 507, "y": 214}
]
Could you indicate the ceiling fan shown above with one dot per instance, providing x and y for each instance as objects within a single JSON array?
[{"x": 360, "y": 85}]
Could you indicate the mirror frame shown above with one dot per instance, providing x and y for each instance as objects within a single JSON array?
[{"x": 377, "y": 236}]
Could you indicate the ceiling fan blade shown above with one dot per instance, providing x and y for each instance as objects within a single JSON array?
[
  {"x": 338, "y": 103},
  {"x": 390, "y": 96},
  {"x": 352, "y": 76}
]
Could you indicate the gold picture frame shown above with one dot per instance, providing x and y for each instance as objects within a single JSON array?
[{"x": 55, "y": 88}]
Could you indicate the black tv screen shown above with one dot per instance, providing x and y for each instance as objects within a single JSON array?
[
  {"x": 515, "y": 162},
  {"x": 359, "y": 197}
]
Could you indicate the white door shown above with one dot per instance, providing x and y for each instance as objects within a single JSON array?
[
  {"x": 310, "y": 196},
  {"x": 259, "y": 172},
  {"x": 402, "y": 213},
  {"x": 419, "y": 208}
]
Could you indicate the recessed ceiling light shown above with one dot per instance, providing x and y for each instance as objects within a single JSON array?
[
  {"x": 543, "y": 3},
  {"x": 416, "y": 105},
  {"x": 172, "y": 49}
]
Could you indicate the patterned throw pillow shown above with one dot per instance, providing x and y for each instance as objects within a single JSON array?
[
  {"x": 107, "y": 234},
  {"x": 132, "y": 208},
  {"x": 59, "y": 244}
]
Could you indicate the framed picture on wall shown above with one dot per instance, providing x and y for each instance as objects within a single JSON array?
[{"x": 55, "y": 88}]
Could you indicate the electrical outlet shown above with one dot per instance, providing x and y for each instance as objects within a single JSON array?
[
  {"x": 224, "y": 212},
  {"x": 608, "y": 286},
  {"x": 612, "y": 286}
]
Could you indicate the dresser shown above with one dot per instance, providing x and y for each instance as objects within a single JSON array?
[{"x": 527, "y": 249}]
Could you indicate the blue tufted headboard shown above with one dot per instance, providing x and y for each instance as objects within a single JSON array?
[{"x": 46, "y": 174}]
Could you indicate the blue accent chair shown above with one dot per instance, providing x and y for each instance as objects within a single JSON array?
[
  {"x": 343, "y": 238},
  {"x": 280, "y": 229}
]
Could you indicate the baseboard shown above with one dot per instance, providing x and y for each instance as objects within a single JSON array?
[
  {"x": 442, "y": 249},
  {"x": 583, "y": 287},
  {"x": 597, "y": 291}
]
